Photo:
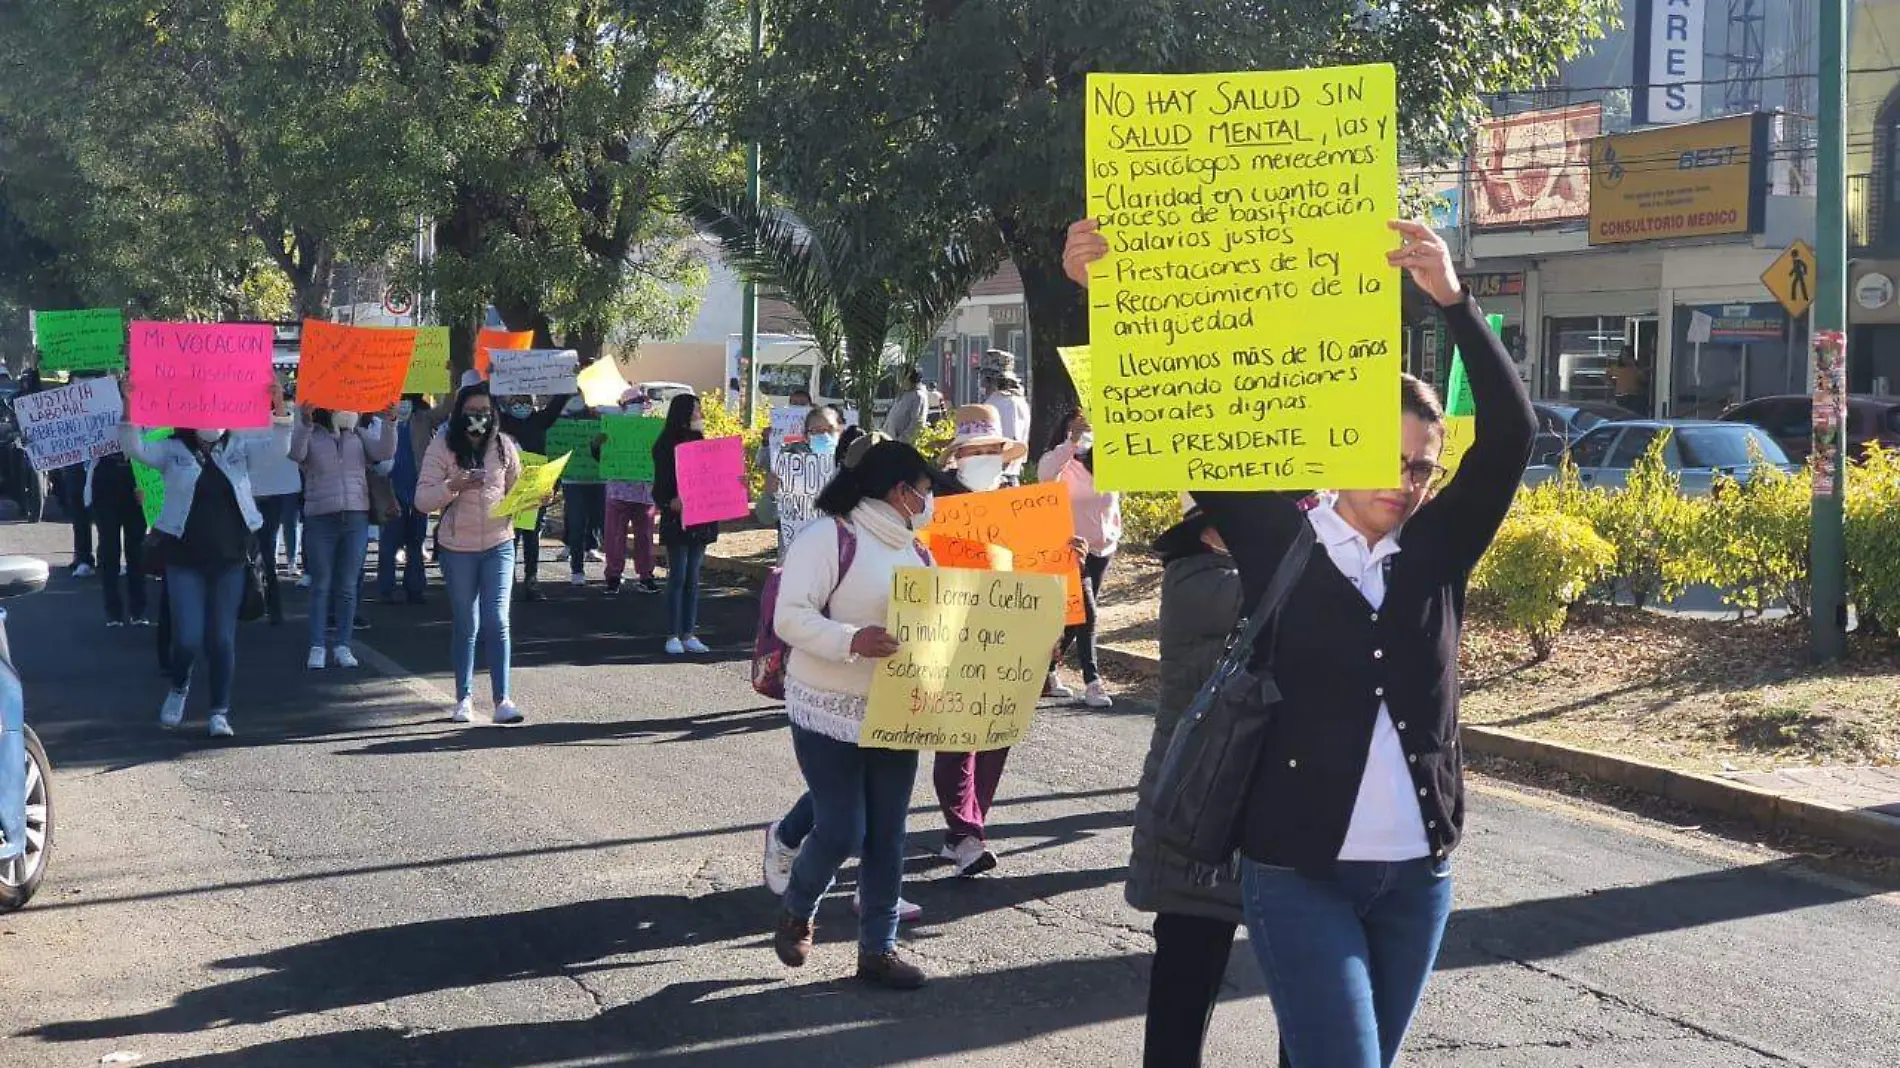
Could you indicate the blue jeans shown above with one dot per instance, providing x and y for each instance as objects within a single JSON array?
[
  {"x": 479, "y": 584},
  {"x": 333, "y": 547},
  {"x": 797, "y": 823},
  {"x": 405, "y": 532},
  {"x": 682, "y": 587},
  {"x": 204, "y": 614},
  {"x": 584, "y": 513},
  {"x": 862, "y": 799},
  {"x": 1346, "y": 958}
]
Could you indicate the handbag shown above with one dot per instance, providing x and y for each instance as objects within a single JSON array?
[
  {"x": 1209, "y": 767},
  {"x": 157, "y": 550},
  {"x": 251, "y": 606},
  {"x": 383, "y": 506}
]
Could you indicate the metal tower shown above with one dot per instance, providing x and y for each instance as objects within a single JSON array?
[{"x": 1742, "y": 93}]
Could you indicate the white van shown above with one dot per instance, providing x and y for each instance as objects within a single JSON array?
[{"x": 790, "y": 363}]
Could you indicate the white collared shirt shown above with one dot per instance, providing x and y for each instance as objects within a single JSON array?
[{"x": 1386, "y": 822}]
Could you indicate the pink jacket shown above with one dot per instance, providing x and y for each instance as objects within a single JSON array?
[
  {"x": 1098, "y": 516},
  {"x": 467, "y": 525}
]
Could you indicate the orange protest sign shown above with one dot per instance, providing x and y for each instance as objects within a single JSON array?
[
  {"x": 353, "y": 368},
  {"x": 961, "y": 552},
  {"x": 1033, "y": 522},
  {"x": 487, "y": 340}
]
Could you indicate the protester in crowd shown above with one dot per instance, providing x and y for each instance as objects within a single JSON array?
[
  {"x": 112, "y": 496},
  {"x": 405, "y": 532},
  {"x": 584, "y": 514},
  {"x": 528, "y": 427},
  {"x": 966, "y": 782},
  {"x": 629, "y": 508},
  {"x": 69, "y": 488},
  {"x": 834, "y": 625},
  {"x": 335, "y": 456},
  {"x": 823, "y": 429},
  {"x": 276, "y": 484},
  {"x": 800, "y": 398},
  {"x": 685, "y": 545},
  {"x": 1005, "y": 396},
  {"x": 1070, "y": 459},
  {"x": 207, "y": 525},
  {"x": 910, "y": 412},
  {"x": 1358, "y": 802},
  {"x": 465, "y": 473}
]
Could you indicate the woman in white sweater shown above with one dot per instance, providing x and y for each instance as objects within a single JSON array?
[{"x": 834, "y": 591}]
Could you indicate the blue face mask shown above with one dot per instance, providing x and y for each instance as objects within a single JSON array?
[{"x": 824, "y": 444}]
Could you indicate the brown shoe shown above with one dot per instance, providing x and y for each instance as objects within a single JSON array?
[
  {"x": 792, "y": 940},
  {"x": 890, "y": 971}
]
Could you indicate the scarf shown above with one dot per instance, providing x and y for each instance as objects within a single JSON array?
[{"x": 881, "y": 521}]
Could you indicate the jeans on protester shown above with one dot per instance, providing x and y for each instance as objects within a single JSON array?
[
  {"x": 862, "y": 799},
  {"x": 1346, "y": 957},
  {"x": 1082, "y": 635},
  {"x": 623, "y": 516},
  {"x": 796, "y": 824},
  {"x": 278, "y": 512},
  {"x": 204, "y": 615},
  {"x": 583, "y": 513},
  {"x": 966, "y": 790},
  {"x": 682, "y": 587},
  {"x": 406, "y": 532},
  {"x": 334, "y": 547},
  {"x": 122, "y": 537},
  {"x": 478, "y": 589},
  {"x": 528, "y": 547},
  {"x": 70, "y": 483}
]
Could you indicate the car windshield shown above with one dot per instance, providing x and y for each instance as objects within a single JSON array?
[{"x": 1727, "y": 446}]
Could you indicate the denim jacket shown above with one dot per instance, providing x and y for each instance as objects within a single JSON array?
[{"x": 179, "y": 468}]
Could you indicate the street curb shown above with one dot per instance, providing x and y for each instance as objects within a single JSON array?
[{"x": 751, "y": 569}]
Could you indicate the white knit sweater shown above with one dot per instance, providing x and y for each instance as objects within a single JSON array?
[{"x": 825, "y": 687}]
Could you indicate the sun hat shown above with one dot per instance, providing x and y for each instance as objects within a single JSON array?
[{"x": 979, "y": 424}]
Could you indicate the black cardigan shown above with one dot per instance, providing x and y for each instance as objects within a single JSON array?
[{"x": 1336, "y": 659}]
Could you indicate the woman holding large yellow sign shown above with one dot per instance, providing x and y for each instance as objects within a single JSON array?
[{"x": 1357, "y": 794}]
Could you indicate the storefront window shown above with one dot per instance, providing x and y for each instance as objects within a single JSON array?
[
  {"x": 1578, "y": 357},
  {"x": 1728, "y": 353}
]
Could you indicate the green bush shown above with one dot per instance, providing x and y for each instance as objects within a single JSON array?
[
  {"x": 1146, "y": 515},
  {"x": 1873, "y": 537},
  {"x": 1755, "y": 538},
  {"x": 1538, "y": 566},
  {"x": 1654, "y": 529}
]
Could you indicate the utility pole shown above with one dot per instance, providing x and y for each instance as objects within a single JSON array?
[
  {"x": 749, "y": 303},
  {"x": 1828, "y": 541}
]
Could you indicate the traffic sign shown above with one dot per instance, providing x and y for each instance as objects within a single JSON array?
[{"x": 1791, "y": 278}]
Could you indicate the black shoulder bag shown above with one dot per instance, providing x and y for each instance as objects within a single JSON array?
[{"x": 1211, "y": 758}]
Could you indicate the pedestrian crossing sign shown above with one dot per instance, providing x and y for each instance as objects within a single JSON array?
[{"x": 1791, "y": 278}]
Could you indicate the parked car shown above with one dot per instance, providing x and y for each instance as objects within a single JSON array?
[
  {"x": 1559, "y": 425},
  {"x": 664, "y": 392},
  {"x": 1695, "y": 450},
  {"x": 1789, "y": 420}
]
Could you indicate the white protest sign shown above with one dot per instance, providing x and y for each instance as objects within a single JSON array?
[
  {"x": 72, "y": 424},
  {"x": 543, "y": 372},
  {"x": 788, "y": 426},
  {"x": 801, "y": 477}
]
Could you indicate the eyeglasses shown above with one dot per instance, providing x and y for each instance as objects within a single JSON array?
[{"x": 1421, "y": 474}]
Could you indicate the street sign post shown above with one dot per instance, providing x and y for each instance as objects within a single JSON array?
[{"x": 1791, "y": 278}]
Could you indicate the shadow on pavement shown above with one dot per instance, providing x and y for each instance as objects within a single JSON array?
[{"x": 661, "y": 730}]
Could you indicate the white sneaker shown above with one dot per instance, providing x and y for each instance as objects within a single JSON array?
[
  {"x": 970, "y": 856},
  {"x": 82, "y": 570},
  {"x": 595, "y": 556},
  {"x": 220, "y": 727},
  {"x": 577, "y": 580},
  {"x": 343, "y": 658},
  {"x": 1055, "y": 688},
  {"x": 907, "y": 912},
  {"x": 694, "y": 645},
  {"x": 674, "y": 647},
  {"x": 317, "y": 658},
  {"x": 779, "y": 859},
  {"x": 506, "y": 713},
  {"x": 172, "y": 712},
  {"x": 303, "y": 581},
  {"x": 1097, "y": 696},
  {"x": 463, "y": 710}
]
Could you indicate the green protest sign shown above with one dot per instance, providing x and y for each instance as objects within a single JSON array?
[
  {"x": 576, "y": 437},
  {"x": 151, "y": 484},
  {"x": 628, "y": 454},
  {"x": 91, "y": 340},
  {"x": 1457, "y": 388}
]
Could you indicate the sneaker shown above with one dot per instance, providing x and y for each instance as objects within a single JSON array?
[
  {"x": 530, "y": 592},
  {"x": 674, "y": 647},
  {"x": 970, "y": 856},
  {"x": 694, "y": 645},
  {"x": 595, "y": 556},
  {"x": 359, "y": 624},
  {"x": 792, "y": 940},
  {"x": 343, "y": 658},
  {"x": 172, "y": 712},
  {"x": 890, "y": 971},
  {"x": 1055, "y": 688},
  {"x": 506, "y": 713},
  {"x": 220, "y": 726},
  {"x": 82, "y": 570},
  {"x": 303, "y": 581},
  {"x": 613, "y": 585},
  {"x": 463, "y": 711},
  {"x": 560, "y": 556},
  {"x": 114, "y": 623},
  {"x": 779, "y": 858},
  {"x": 317, "y": 658},
  {"x": 141, "y": 621},
  {"x": 907, "y": 912},
  {"x": 1096, "y": 696},
  {"x": 577, "y": 579},
  {"x": 648, "y": 585}
]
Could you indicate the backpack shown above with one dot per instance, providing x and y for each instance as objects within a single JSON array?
[{"x": 770, "y": 654}]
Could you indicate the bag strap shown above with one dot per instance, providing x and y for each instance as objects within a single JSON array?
[
  {"x": 1279, "y": 588},
  {"x": 847, "y": 552}
]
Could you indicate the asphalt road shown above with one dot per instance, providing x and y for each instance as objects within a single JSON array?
[{"x": 355, "y": 882}]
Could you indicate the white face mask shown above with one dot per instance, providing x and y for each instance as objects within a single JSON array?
[
  {"x": 575, "y": 406},
  {"x": 920, "y": 520},
  {"x": 1085, "y": 442},
  {"x": 980, "y": 473},
  {"x": 344, "y": 422},
  {"x": 210, "y": 437}
]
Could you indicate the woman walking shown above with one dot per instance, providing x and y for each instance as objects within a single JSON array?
[
  {"x": 276, "y": 484},
  {"x": 1070, "y": 459},
  {"x": 335, "y": 456},
  {"x": 1358, "y": 800},
  {"x": 207, "y": 523},
  {"x": 629, "y": 508},
  {"x": 112, "y": 495},
  {"x": 833, "y": 623},
  {"x": 685, "y": 546},
  {"x": 465, "y": 473}
]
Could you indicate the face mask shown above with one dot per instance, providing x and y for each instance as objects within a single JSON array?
[
  {"x": 405, "y": 409},
  {"x": 521, "y": 411},
  {"x": 980, "y": 473},
  {"x": 478, "y": 422},
  {"x": 921, "y": 519},
  {"x": 1085, "y": 442},
  {"x": 575, "y": 406},
  {"x": 344, "y": 422},
  {"x": 210, "y": 437},
  {"x": 698, "y": 424},
  {"x": 824, "y": 444}
]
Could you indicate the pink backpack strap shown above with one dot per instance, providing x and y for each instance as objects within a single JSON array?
[{"x": 847, "y": 552}]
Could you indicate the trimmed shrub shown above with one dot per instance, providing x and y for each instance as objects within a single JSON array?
[{"x": 1538, "y": 566}]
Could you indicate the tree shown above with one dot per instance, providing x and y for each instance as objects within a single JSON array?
[{"x": 992, "y": 92}]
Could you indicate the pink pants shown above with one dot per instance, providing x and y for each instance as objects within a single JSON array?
[
  {"x": 621, "y": 515},
  {"x": 966, "y": 788}
]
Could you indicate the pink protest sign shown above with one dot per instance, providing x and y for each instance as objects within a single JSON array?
[
  {"x": 198, "y": 375},
  {"x": 712, "y": 480}
]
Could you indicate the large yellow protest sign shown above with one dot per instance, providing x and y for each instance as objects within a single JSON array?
[
  {"x": 1244, "y": 327},
  {"x": 535, "y": 485},
  {"x": 530, "y": 518},
  {"x": 1081, "y": 367},
  {"x": 974, "y": 654}
]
